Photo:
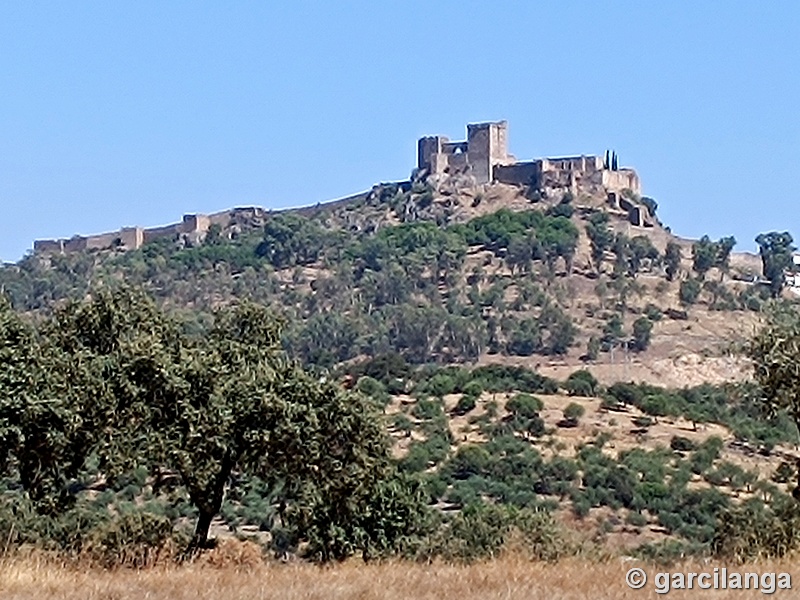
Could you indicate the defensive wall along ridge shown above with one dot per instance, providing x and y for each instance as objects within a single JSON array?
[{"x": 191, "y": 230}]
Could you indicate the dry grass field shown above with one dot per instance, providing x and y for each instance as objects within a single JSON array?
[{"x": 507, "y": 578}]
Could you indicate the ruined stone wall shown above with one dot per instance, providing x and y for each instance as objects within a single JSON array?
[
  {"x": 128, "y": 238},
  {"x": 638, "y": 214},
  {"x": 457, "y": 163},
  {"x": 167, "y": 231},
  {"x": 131, "y": 238},
  {"x": 191, "y": 224},
  {"x": 438, "y": 164},
  {"x": 75, "y": 244},
  {"x": 498, "y": 143},
  {"x": 427, "y": 148},
  {"x": 487, "y": 146},
  {"x": 222, "y": 219},
  {"x": 479, "y": 152},
  {"x": 522, "y": 173},
  {"x": 582, "y": 164},
  {"x": 48, "y": 246},
  {"x": 102, "y": 241},
  {"x": 621, "y": 180},
  {"x": 196, "y": 223},
  {"x": 454, "y": 147}
]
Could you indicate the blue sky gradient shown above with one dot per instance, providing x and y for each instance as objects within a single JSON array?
[{"x": 116, "y": 114}]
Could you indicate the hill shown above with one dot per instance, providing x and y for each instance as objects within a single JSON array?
[
  {"x": 445, "y": 272},
  {"x": 451, "y": 300}
]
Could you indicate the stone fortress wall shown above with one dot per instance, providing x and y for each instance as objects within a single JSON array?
[{"x": 191, "y": 230}]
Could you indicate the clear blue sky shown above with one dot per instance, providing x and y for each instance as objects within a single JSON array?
[{"x": 123, "y": 113}]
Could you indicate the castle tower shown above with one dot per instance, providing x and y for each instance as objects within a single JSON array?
[
  {"x": 427, "y": 148},
  {"x": 487, "y": 146}
]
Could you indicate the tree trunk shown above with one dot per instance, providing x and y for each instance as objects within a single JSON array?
[
  {"x": 200, "y": 538},
  {"x": 208, "y": 500}
]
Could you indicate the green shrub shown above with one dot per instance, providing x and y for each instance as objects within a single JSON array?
[
  {"x": 612, "y": 332},
  {"x": 562, "y": 209},
  {"x": 703, "y": 458},
  {"x": 374, "y": 389},
  {"x": 784, "y": 473},
  {"x": 636, "y": 519},
  {"x": 130, "y": 536},
  {"x": 652, "y": 312},
  {"x": 524, "y": 406},
  {"x": 669, "y": 551},
  {"x": 689, "y": 291},
  {"x": 581, "y": 506},
  {"x": 473, "y": 388},
  {"x": 658, "y": 405},
  {"x": 610, "y": 403},
  {"x": 427, "y": 409},
  {"x": 468, "y": 461},
  {"x": 482, "y": 531},
  {"x": 503, "y": 378},
  {"x": 135, "y": 539},
  {"x": 626, "y": 393},
  {"x": 682, "y": 444},
  {"x": 422, "y": 455},
  {"x": 402, "y": 423},
  {"x": 465, "y": 404},
  {"x": 442, "y": 384},
  {"x": 581, "y": 383},
  {"x": 572, "y": 414},
  {"x": 592, "y": 348},
  {"x": 642, "y": 328}
]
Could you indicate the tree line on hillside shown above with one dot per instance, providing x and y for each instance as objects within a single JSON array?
[{"x": 408, "y": 288}]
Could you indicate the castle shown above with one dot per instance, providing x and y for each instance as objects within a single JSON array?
[{"x": 484, "y": 156}]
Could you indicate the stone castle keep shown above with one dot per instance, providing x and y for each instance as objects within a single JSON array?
[
  {"x": 483, "y": 159},
  {"x": 484, "y": 156}
]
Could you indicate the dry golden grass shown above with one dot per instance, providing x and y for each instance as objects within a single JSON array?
[{"x": 245, "y": 577}]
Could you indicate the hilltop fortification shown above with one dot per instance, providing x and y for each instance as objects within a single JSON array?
[
  {"x": 484, "y": 157},
  {"x": 481, "y": 159}
]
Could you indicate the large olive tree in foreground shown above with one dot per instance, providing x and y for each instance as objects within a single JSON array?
[{"x": 119, "y": 379}]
